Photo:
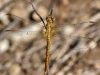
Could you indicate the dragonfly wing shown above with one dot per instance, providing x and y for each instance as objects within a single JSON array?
[
  {"x": 67, "y": 29},
  {"x": 63, "y": 29},
  {"x": 26, "y": 32},
  {"x": 32, "y": 30}
]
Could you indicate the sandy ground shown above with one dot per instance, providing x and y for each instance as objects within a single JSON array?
[{"x": 75, "y": 41}]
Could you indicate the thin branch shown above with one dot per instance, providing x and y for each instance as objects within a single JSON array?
[{"x": 38, "y": 15}]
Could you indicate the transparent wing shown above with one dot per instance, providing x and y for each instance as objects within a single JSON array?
[
  {"x": 13, "y": 25},
  {"x": 35, "y": 28},
  {"x": 66, "y": 28}
]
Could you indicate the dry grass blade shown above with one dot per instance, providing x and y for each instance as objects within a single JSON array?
[
  {"x": 38, "y": 14},
  {"x": 6, "y": 5}
]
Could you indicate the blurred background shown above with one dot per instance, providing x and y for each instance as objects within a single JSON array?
[{"x": 75, "y": 41}]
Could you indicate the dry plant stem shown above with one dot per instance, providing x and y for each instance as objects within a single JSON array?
[
  {"x": 6, "y": 5},
  {"x": 38, "y": 14},
  {"x": 9, "y": 27}
]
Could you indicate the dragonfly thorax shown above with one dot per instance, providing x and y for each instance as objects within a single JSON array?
[{"x": 50, "y": 19}]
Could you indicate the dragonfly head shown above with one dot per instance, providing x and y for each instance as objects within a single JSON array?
[{"x": 50, "y": 19}]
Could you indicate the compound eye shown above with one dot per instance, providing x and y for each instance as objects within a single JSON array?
[
  {"x": 53, "y": 19},
  {"x": 46, "y": 18}
]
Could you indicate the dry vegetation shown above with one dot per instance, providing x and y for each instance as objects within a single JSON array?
[{"x": 75, "y": 47}]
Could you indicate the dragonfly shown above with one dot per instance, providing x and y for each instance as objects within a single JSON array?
[{"x": 48, "y": 27}]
